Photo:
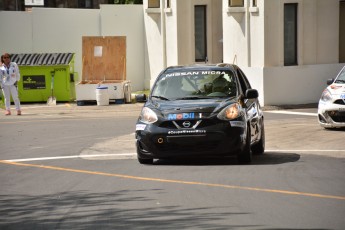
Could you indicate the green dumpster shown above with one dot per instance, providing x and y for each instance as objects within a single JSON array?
[{"x": 36, "y": 72}]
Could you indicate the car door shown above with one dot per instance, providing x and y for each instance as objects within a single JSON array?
[{"x": 252, "y": 107}]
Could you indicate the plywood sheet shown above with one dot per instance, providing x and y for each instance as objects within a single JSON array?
[{"x": 104, "y": 59}]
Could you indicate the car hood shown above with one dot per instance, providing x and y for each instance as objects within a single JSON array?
[
  {"x": 337, "y": 90},
  {"x": 206, "y": 106}
]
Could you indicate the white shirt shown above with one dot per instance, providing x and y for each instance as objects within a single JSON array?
[{"x": 9, "y": 75}]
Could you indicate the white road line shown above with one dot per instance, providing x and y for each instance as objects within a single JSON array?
[
  {"x": 44, "y": 106},
  {"x": 133, "y": 154},
  {"x": 291, "y": 113},
  {"x": 303, "y": 150}
]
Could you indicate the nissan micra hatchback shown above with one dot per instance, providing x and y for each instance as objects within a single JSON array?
[{"x": 200, "y": 110}]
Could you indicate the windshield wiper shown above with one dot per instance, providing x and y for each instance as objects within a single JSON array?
[
  {"x": 192, "y": 98},
  {"x": 340, "y": 81},
  {"x": 160, "y": 97}
]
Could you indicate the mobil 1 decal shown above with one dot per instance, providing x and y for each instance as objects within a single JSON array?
[{"x": 183, "y": 116}]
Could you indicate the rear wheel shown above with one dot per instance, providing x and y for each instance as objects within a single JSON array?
[{"x": 245, "y": 156}]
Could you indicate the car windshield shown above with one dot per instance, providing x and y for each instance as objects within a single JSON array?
[
  {"x": 341, "y": 77},
  {"x": 190, "y": 85}
]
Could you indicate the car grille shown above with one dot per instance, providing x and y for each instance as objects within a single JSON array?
[
  {"x": 339, "y": 102},
  {"x": 337, "y": 116},
  {"x": 198, "y": 146},
  {"x": 203, "y": 123}
]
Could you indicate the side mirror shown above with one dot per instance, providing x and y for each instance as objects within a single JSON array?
[
  {"x": 330, "y": 81},
  {"x": 251, "y": 94},
  {"x": 140, "y": 98}
]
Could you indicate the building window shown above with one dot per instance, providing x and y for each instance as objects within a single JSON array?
[
  {"x": 200, "y": 33},
  {"x": 290, "y": 34},
  {"x": 255, "y": 3},
  {"x": 154, "y": 3},
  {"x": 236, "y": 3},
  {"x": 168, "y": 4},
  {"x": 85, "y": 4}
]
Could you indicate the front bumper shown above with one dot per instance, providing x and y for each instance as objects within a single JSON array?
[
  {"x": 331, "y": 115},
  {"x": 218, "y": 140}
]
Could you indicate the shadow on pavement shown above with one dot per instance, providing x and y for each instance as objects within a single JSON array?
[
  {"x": 122, "y": 209},
  {"x": 268, "y": 158}
]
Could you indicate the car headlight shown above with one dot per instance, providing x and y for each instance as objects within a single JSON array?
[
  {"x": 148, "y": 116},
  {"x": 326, "y": 95},
  {"x": 230, "y": 112}
]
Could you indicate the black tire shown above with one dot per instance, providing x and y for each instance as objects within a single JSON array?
[
  {"x": 145, "y": 161},
  {"x": 80, "y": 103},
  {"x": 245, "y": 156},
  {"x": 142, "y": 160},
  {"x": 259, "y": 148}
]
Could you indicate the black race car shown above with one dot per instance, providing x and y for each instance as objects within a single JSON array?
[{"x": 200, "y": 110}]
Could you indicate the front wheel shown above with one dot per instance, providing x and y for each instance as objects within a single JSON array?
[
  {"x": 145, "y": 161},
  {"x": 245, "y": 156},
  {"x": 142, "y": 160},
  {"x": 259, "y": 148}
]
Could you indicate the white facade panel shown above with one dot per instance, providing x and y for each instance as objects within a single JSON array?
[
  {"x": 112, "y": 24},
  {"x": 252, "y": 37},
  {"x": 297, "y": 84},
  {"x": 61, "y": 30},
  {"x": 18, "y": 36}
]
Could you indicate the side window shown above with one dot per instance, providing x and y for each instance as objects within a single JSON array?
[{"x": 243, "y": 81}]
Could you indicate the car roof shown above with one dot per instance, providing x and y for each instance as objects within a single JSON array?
[{"x": 219, "y": 66}]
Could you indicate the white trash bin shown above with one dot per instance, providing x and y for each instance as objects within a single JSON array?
[{"x": 102, "y": 95}]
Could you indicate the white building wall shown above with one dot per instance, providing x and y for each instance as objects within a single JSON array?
[
  {"x": 257, "y": 35},
  {"x": 185, "y": 25},
  {"x": 154, "y": 39},
  {"x": 318, "y": 45},
  {"x": 327, "y": 31},
  {"x": 16, "y": 32},
  {"x": 185, "y": 30},
  {"x": 273, "y": 30},
  {"x": 60, "y": 30},
  {"x": 297, "y": 85},
  {"x": 263, "y": 57},
  {"x": 216, "y": 32},
  {"x": 48, "y": 30},
  {"x": 235, "y": 34},
  {"x": 318, "y": 31},
  {"x": 124, "y": 20},
  {"x": 171, "y": 37},
  {"x": 174, "y": 27}
]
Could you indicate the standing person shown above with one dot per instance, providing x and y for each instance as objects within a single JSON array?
[{"x": 10, "y": 75}]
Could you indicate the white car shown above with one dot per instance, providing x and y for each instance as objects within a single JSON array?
[{"x": 331, "y": 109}]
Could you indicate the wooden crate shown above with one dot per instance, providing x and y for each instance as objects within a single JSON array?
[
  {"x": 104, "y": 64},
  {"x": 103, "y": 59}
]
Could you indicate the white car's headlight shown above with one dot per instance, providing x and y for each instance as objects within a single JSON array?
[
  {"x": 230, "y": 112},
  {"x": 148, "y": 116},
  {"x": 326, "y": 96}
]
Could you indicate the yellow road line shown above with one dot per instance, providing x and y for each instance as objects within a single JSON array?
[{"x": 285, "y": 192}]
